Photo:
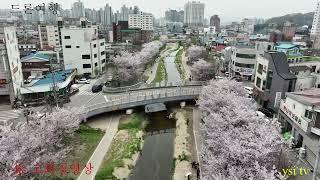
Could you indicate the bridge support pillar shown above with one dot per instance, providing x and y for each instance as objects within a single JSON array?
[
  {"x": 129, "y": 111},
  {"x": 182, "y": 104}
]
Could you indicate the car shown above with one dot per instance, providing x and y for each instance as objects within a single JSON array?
[
  {"x": 218, "y": 77},
  {"x": 83, "y": 81},
  {"x": 248, "y": 89},
  {"x": 267, "y": 111},
  {"x": 227, "y": 73},
  {"x": 96, "y": 88}
]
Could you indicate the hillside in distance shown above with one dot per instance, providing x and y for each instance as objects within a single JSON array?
[{"x": 297, "y": 18}]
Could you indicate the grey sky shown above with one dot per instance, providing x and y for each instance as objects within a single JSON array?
[{"x": 228, "y": 10}]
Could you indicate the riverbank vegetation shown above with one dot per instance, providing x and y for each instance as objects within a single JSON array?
[
  {"x": 178, "y": 62},
  {"x": 125, "y": 144},
  {"x": 161, "y": 74}
]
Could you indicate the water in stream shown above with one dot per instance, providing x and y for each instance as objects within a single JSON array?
[
  {"x": 156, "y": 160},
  {"x": 173, "y": 73}
]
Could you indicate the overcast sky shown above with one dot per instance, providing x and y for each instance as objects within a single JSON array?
[{"x": 228, "y": 10}]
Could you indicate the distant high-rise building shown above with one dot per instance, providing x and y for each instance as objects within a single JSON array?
[
  {"x": 136, "y": 10},
  {"x": 194, "y": 14},
  {"x": 77, "y": 9},
  {"x": 315, "y": 30},
  {"x": 124, "y": 14},
  {"x": 174, "y": 15},
  {"x": 107, "y": 16},
  {"x": 215, "y": 21}
]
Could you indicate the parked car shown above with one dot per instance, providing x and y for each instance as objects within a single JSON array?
[
  {"x": 83, "y": 81},
  {"x": 97, "y": 88},
  {"x": 249, "y": 90},
  {"x": 218, "y": 77},
  {"x": 227, "y": 73},
  {"x": 267, "y": 111}
]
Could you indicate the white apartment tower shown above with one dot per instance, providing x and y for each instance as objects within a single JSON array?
[
  {"x": 144, "y": 21},
  {"x": 77, "y": 9},
  {"x": 194, "y": 14},
  {"x": 11, "y": 77},
  {"x": 83, "y": 51},
  {"x": 315, "y": 30}
]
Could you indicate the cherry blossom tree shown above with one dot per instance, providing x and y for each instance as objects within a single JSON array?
[
  {"x": 194, "y": 53},
  {"x": 202, "y": 70},
  {"x": 130, "y": 66},
  {"x": 38, "y": 140},
  {"x": 236, "y": 143}
]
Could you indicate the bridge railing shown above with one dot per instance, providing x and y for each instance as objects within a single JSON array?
[
  {"x": 136, "y": 97},
  {"x": 144, "y": 86}
]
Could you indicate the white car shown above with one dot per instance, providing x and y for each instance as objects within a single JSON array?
[
  {"x": 249, "y": 90},
  {"x": 219, "y": 77},
  {"x": 83, "y": 81}
]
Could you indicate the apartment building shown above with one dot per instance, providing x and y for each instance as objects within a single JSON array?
[
  {"x": 83, "y": 51},
  {"x": 194, "y": 14},
  {"x": 11, "y": 78},
  {"x": 143, "y": 21},
  {"x": 48, "y": 36}
]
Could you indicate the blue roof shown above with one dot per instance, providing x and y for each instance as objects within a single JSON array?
[
  {"x": 59, "y": 76},
  {"x": 287, "y": 46},
  {"x": 37, "y": 55}
]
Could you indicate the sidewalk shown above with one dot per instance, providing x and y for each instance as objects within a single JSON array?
[
  {"x": 102, "y": 148},
  {"x": 196, "y": 133},
  {"x": 184, "y": 65}
]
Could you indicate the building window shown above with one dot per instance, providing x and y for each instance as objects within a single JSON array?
[
  {"x": 85, "y": 56},
  {"x": 77, "y": 46},
  {"x": 94, "y": 45},
  {"x": 68, "y": 46},
  {"x": 67, "y": 37},
  {"x": 246, "y": 56},
  {"x": 103, "y": 61},
  {"x": 260, "y": 68},
  {"x": 308, "y": 114},
  {"x": 95, "y": 64},
  {"x": 101, "y": 44},
  {"x": 291, "y": 86},
  {"x": 102, "y": 53},
  {"x": 258, "y": 82},
  {"x": 95, "y": 56},
  {"x": 86, "y": 65}
]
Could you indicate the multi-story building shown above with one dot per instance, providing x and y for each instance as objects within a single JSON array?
[
  {"x": 144, "y": 21},
  {"x": 194, "y": 14},
  {"x": 77, "y": 9},
  {"x": 242, "y": 64},
  {"x": 83, "y": 51},
  {"x": 106, "y": 15},
  {"x": 289, "y": 30},
  {"x": 215, "y": 21},
  {"x": 11, "y": 78},
  {"x": 315, "y": 30},
  {"x": 263, "y": 46},
  {"x": 174, "y": 15},
  {"x": 48, "y": 36},
  {"x": 299, "y": 115},
  {"x": 272, "y": 79}
]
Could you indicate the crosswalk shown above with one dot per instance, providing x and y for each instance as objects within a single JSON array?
[{"x": 6, "y": 116}]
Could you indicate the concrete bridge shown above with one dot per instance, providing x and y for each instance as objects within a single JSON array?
[{"x": 140, "y": 97}]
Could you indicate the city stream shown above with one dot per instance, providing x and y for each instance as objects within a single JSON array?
[{"x": 156, "y": 160}]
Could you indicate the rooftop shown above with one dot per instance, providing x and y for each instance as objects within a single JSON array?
[
  {"x": 36, "y": 57},
  {"x": 310, "y": 96},
  {"x": 286, "y": 46},
  {"x": 59, "y": 76},
  {"x": 299, "y": 68}
]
